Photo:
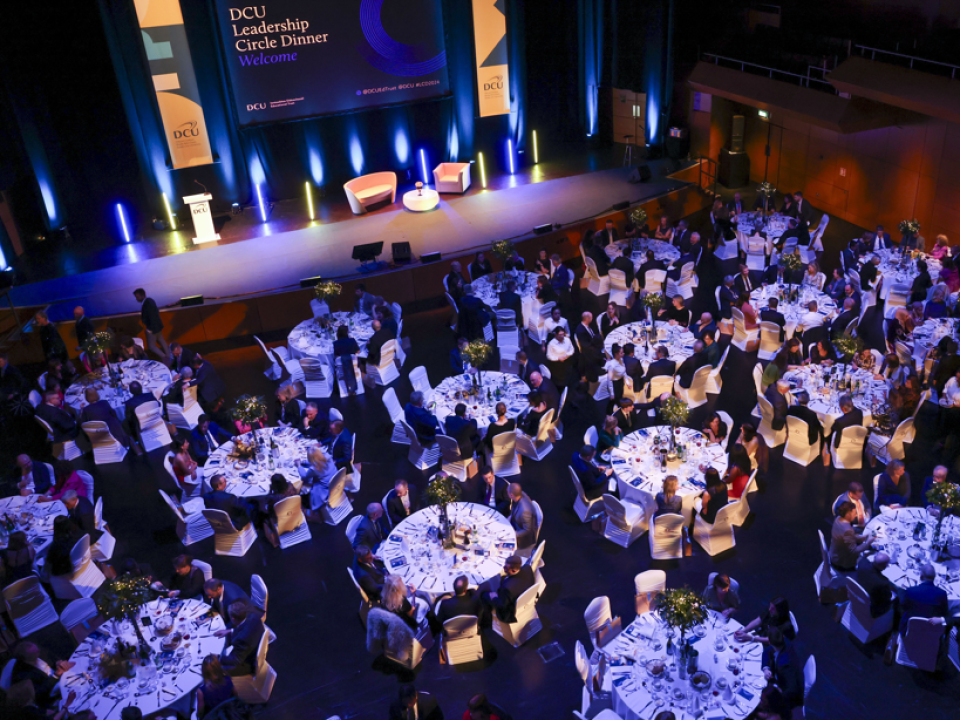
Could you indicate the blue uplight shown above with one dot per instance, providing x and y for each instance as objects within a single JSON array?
[{"x": 123, "y": 223}]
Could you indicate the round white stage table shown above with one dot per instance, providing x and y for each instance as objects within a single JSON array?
[
  {"x": 251, "y": 478},
  {"x": 897, "y": 270},
  {"x": 894, "y": 531},
  {"x": 734, "y": 668},
  {"x": 824, "y": 399},
  {"x": 488, "y": 289},
  {"x": 677, "y": 339},
  {"x": 513, "y": 393},
  {"x": 154, "y": 376},
  {"x": 154, "y": 688},
  {"x": 421, "y": 202},
  {"x": 32, "y": 517},
  {"x": 793, "y": 311},
  {"x": 413, "y": 552},
  {"x": 638, "y": 470},
  {"x": 309, "y": 340}
]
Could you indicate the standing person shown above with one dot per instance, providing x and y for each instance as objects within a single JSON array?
[
  {"x": 152, "y": 325},
  {"x": 82, "y": 325},
  {"x": 50, "y": 340},
  {"x": 344, "y": 350},
  {"x": 522, "y": 517}
]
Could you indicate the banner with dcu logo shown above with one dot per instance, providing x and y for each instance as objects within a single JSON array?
[
  {"x": 295, "y": 59},
  {"x": 493, "y": 69},
  {"x": 171, "y": 67}
]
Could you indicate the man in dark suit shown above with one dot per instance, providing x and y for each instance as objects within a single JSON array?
[
  {"x": 83, "y": 325},
  {"x": 803, "y": 412},
  {"x": 221, "y": 594},
  {"x": 681, "y": 236},
  {"x": 736, "y": 206},
  {"x": 772, "y": 314},
  {"x": 209, "y": 385},
  {"x": 839, "y": 325},
  {"x": 609, "y": 233},
  {"x": 492, "y": 491},
  {"x": 458, "y": 360},
  {"x": 413, "y": 705},
  {"x": 881, "y": 240},
  {"x": 464, "y": 431},
  {"x": 139, "y": 397},
  {"x": 851, "y": 416},
  {"x": 313, "y": 424},
  {"x": 464, "y": 601},
  {"x": 651, "y": 263},
  {"x": 423, "y": 422},
  {"x": 152, "y": 325},
  {"x": 517, "y": 580},
  {"x": 220, "y": 499},
  {"x": 560, "y": 278},
  {"x": 402, "y": 502},
  {"x": 593, "y": 478},
  {"x": 522, "y": 516},
  {"x": 548, "y": 391},
  {"x": 693, "y": 363},
  {"x": 590, "y": 343},
  {"x": 525, "y": 367},
  {"x": 783, "y": 667},
  {"x": 373, "y": 529},
  {"x": 599, "y": 256},
  {"x": 775, "y": 395},
  {"x": 180, "y": 357},
  {"x": 625, "y": 265},
  {"x": 11, "y": 379},
  {"x": 30, "y": 471},
  {"x": 239, "y": 656},
  {"x": 871, "y": 578},
  {"x": 376, "y": 342},
  {"x": 704, "y": 325},
  {"x": 804, "y": 211},
  {"x": 632, "y": 365},
  {"x": 793, "y": 231},
  {"x": 626, "y": 416},
  {"x": 924, "y": 600},
  {"x": 869, "y": 272},
  {"x": 454, "y": 281},
  {"x": 81, "y": 513},
  {"x": 100, "y": 410},
  {"x": 206, "y": 437},
  {"x": 509, "y": 300},
  {"x": 339, "y": 444},
  {"x": 743, "y": 283},
  {"x": 728, "y": 296},
  {"x": 369, "y": 572},
  {"x": 851, "y": 256},
  {"x": 474, "y": 315},
  {"x": 661, "y": 366},
  {"x": 850, "y": 292},
  {"x": 61, "y": 421}
]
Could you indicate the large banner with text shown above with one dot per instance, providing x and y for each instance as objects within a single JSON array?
[
  {"x": 493, "y": 68},
  {"x": 294, "y": 59}
]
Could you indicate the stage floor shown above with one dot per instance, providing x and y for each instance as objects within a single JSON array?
[{"x": 279, "y": 257}]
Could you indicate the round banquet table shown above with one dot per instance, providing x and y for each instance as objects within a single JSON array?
[
  {"x": 513, "y": 393},
  {"x": 815, "y": 379},
  {"x": 32, "y": 517},
  {"x": 897, "y": 270},
  {"x": 793, "y": 311},
  {"x": 413, "y": 552},
  {"x": 775, "y": 225},
  {"x": 488, "y": 289},
  {"x": 155, "y": 687},
  {"x": 638, "y": 696},
  {"x": 154, "y": 376},
  {"x": 894, "y": 531},
  {"x": 662, "y": 250},
  {"x": 251, "y": 478},
  {"x": 929, "y": 334},
  {"x": 308, "y": 339},
  {"x": 678, "y": 340},
  {"x": 637, "y": 471}
]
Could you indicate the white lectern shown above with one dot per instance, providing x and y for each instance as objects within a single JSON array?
[{"x": 202, "y": 219}]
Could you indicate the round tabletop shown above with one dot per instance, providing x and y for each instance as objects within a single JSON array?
[
  {"x": 662, "y": 250},
  {"x": 309, "y": 340},
  {"x": 418, "y": 201},
  {"x": 677, "y": 339},
  {"x": 819, "y": 383},
  {"x": 734, "y": 670},
  {"x": 774, "y": 225},
  {"x": 638, "y": 469},
  {"x": 899, "y": 270},
  {"x": 32, "y": 517},
  {"x": 512, "y": 390},
  {"x": 931, "y": 333},
  {"x": 250, "y": 476},
  {"x": 167, "y": 681},
  {"x": 794, "y": 310},
  {"x": 154, "y": 376},
  {"x": 413, "y": 552},
  {"x": 894, "y": 530},
  {"x": 489, "y": 287}
]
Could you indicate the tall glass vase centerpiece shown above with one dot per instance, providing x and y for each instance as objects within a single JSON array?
[
  {"x": 477, "y": 353},
  {"x": 766, "y": 191},
  {"x": 909, "y": 229},
  {"x": 442, "y": 490},
  {"x": 791, "y": 264},
  {"x": 681, "y": 609},
  {"x": 98, "y": 345},
  {"x": 503, "y": 251},
  {"x": 652, "y": 301},
  {"x": 674, "y": 412},
  {"x": 121, "y": 599},
  {"x": 848, "y": 347},
  {"x": 326, "y": 290},
  {"x": 946, "y": 497},
  {"x": 249, "y": 409}
]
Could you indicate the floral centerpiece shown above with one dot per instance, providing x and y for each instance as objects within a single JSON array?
[
  {"x": 638, "y": 216},
  {"x": 652, "y": 301},
  {"x": 848, "y": 347},
  {"x": 243, "y": 450},
  {"x": 248, "y": 409},
  {"x": 441, "y": 491},
  {"x": 98, "y": 343},
  {"x": 502, "y": 249},
  {"x": 790, "y": 263},
  {"x": 910, "y": 229},
  {"x": 121, "y": 599},
  {"x": 766, "y": 191},
  {"x": 477, "y": 353},
  {"x": 682, "y": 609},
  {"x": 946, "y": 497},
  {"x": 326, "y": 290},
  {"x": 675, "y": 412}
]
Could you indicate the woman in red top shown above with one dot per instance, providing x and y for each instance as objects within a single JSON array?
[
  {"x": 479, "y": 709},
  {"x": 736, "y": 480},
  {"x": 184, "y": 466},
  {"x": 67, "y": 479}
]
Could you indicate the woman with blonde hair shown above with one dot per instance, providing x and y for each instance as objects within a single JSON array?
[
  {"x": 941, "y": 248},
  {"x": 667, "y": 499},
  {"x": 813, "y": 277},
  {"x": 317, "y": 472},
  {"x": 395, "y": 598}
]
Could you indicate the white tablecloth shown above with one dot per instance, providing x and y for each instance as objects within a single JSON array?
[
  {"x": 513, "y": 392},
  {"x": 894, "y": 531},
  {"x": 308, "y": 340},
  {"x": 637, "y": 467},
  {"x": 32, "y": 517},
  {"x": 413, "y": 552},
  {"x": 902, "y": 271},
  {"x": 638, "y": 696},
  {"x": 251, "y": 478},
  {"x": 488, "y": 289},
  {"x": 931, "y": 333},
  {"x": 152, "y": 375},
  {"x": 154, "y": 688},
  {"x": 775, "y": 225},
  {"x": 824, "y": 398},
  {"x": 662, "y": 250},
  {"x": 793, "y": 311},
  {"x": 678, "y": 339}
]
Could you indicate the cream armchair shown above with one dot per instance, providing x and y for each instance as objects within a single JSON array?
[
  {"x": 367, "y": 190},
  {"x": 452, "y": 177}
]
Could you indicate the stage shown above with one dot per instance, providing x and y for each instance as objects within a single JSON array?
[{"x": 277, "y": 257}]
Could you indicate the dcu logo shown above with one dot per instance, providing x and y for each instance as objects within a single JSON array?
[
  {"x": 495, "y": 83},
  {"x": 256, "y": 106},
  {"x": 187, "y": 130}
]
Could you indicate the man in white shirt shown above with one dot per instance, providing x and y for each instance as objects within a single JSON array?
[
  {"x": 560, "y": 355},
  {"x": 854, "y": 494},
  {"x": 810, "y": 319},
  {"x": 554, "y": 321}
]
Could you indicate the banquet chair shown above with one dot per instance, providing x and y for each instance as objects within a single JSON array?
[
  {"x": 292, "y": 526},
  {"x": 256, "y": 689},
  {"x": 848, "y": 454},
  {"x": 904, "y": 354},
  {"x": 390, "y": 401},
  {"x": 696, "y": 394},
  {"x": 816, "y": 237},
  {"x": 260, "y": 597},
  {"x": 227, "y": 539},
  {"x": 714, "y": 381},
  {"x": 365, "y": 602},
  {"x": 648, "y": 585},
  {"x": 620, "y": 294},
  {"x": 87, "y": 482},
  {"x": 455, "y": 318},
  {"x": 742, "y": 504},
  {"x": 856, "y": 615},
  {"x": 851, "y": 330},
  {"x": 728, "y": 421},
  {"x": 920, "y": 644},
  {"x": 28, "y": 605},
  {"x": 897, "y": 296},
  {"x": 953, "y": 648},
  {"x": 422, "y": 458},
  {"x": 317, "y": 378},
  {"x": 773, "y": 438},
  {"x": 504, "y": 459},
  {"x": 666, "y": 537},
  {"x": 421, "y": 383},
  {"x": 886, "y": 449},
  {"x": 338, "y": 505},
  {"x": 658, "y": 385},
  {"x": 461, "y": 641},
  {"x": 191, "y": 527},
  {"x": 103, "y": 549},
  {"x": 769, "y": 340},
  {"x": 809, "y": 679},
  {"x": 798, "y": 447},
  {"x": 401, "y": 354},
  {"x": 717, "y": 537},
  {"x": 535, "y": 323},
  {"x": 826, "y": 577},
  {"x": 596, "y": 285},
  {"x": 153, "y": 428},
  {"x": 354, "y": 522},
  {"x": 671, "y": 289},
  {"x": 536, "y": 448},
  {"x": 390, "y": 636},
  {"x": 352, "y": 484},
  {"x": 386, "y": 371},
  {"x": 596, "y": 616},
  {"x": 756, "y": 254},
  {"x": 626, "y": 521},
  {"x": 278, "y": 360},
  {"x": 653, "y": 280},
  {"x": 341, "y": 383},
  {"x": 80, "y": 618},
  {"x": 205, "y": 568},
  {"x": 187, "y": 415},
  {"x": 451, "y": 462},
  {"x": 688, "y": 281},
  {"x": 106, "y": 448},
  {"x": 545, "y": 371},
  {"x": 84, "y": 578},
  {"x": 727, "y": 250},
  {"x": 527, "y": 623},
  {"x": 585, "y": 509},
  {"x": 507, "y": 333},
  {"x": 557, "y": 426},
  {"x": 536, "y": 558},
  {"x": 188, "y": 489},
  {"x": 591, "y": 436},
  {"x": 742, "y": 338}
]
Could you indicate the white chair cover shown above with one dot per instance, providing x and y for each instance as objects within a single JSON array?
[
  {"x": 460, "y": 641},
  {"x": 85, "y": 577},
  {"x": 390, "y": 401},
  {"x": 718, "y": 537},
  {"x": 78, "y": 616},
  {"x": 422, "y": 458},
  {"x": 773, "y": 438},
  {"x": 536, "y": 448},
  {"x": 227, "y": 539},
  {"x": 191, "y": 527},
  {"x": 714, "y": 381},
  {"x": 153, "y": 429},
  {"x": 742, "y": 337},
  {"x": 338, "y": 506},
  {"x": 203, "y": 567},
  {"x": 106, "y": 448},
  {"x": 386, "y": 371},
  {"x": 452, "y": 463},
  {"x": 186, "y": 416},
  {"x": 848, "y": 454},
  {"x": 920, "y": 645},
  {"x": 585, "y": 509},
  {"x": 317, "y": 378},
  {"x": 666, "y": 537},
  {"x": 798, "y": 447},
  {"x": 292, "y": 526},
  {"x": 769, "y": 340},
  {"x": 696, "y": 394},
  {"x": 256, "y": 689},
  {"x": 625, "y": 521},
  {"x": 503, "y": 459},
  {"x": 28, "y": 605},
  {"x": 527, "y": 623},
  {"x": 596, "y": 285},
  {"x": 619, "y": 292},
  {"x": 856, "y": 615},
  {"x": 648, "y": 584}
]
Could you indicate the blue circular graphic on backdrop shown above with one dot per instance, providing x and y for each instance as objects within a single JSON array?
[{"x": 388, "y": 55}]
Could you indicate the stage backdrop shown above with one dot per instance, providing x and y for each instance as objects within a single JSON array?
[{"x": 294, "y": 59}]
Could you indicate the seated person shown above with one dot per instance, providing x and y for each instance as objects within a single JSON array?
[
  {"x": 668, "y": 501},
  {"x": 721, "y": 596},
  {"x": 220, "y": 499},
  {"x": 369, "y": 572},
  {"x": 399, "y": 599},
  {"x": 518, "y": 578},
  {"x": 530, "y": 421},
  {"x": 854, "y": 494},
  {"x": 714, "y": 497},
  {"x": 316, "y": 473},
  {"x": 822, "y": 353},
  {"x": 30, "y": 667},
  {"x": 217, "y": 687},
  {"x": 593, "y": 478},
  {"x": 715, "y": 429},
  {"x": 401, "y": 502},
  {"x": 846, "y": 545},
  {"x": 186, "y": 581},
  {"x": 782, "y": 667},
  {"x": 924, "y": 600},
  {"x": 676, "y": 313},
  {"x": 464, "y": 431},
  {"x": 423, "y": 422},
  {"x": 893, "y": 487},
  {"x": 464, "y": 601},
  {"x": 502, "y": 424},
  {"x": 16, "y": 560},
  {"x": 609, "y": 435},
  {"x": 239, "y": 657},
  {"x": 314, "y": 424},
  {"x": 265, "y": 507},
  {"x": 184, "y": 466},
  {"x": 206, "y": 437},
  {"x": 776, "y": 615}
]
